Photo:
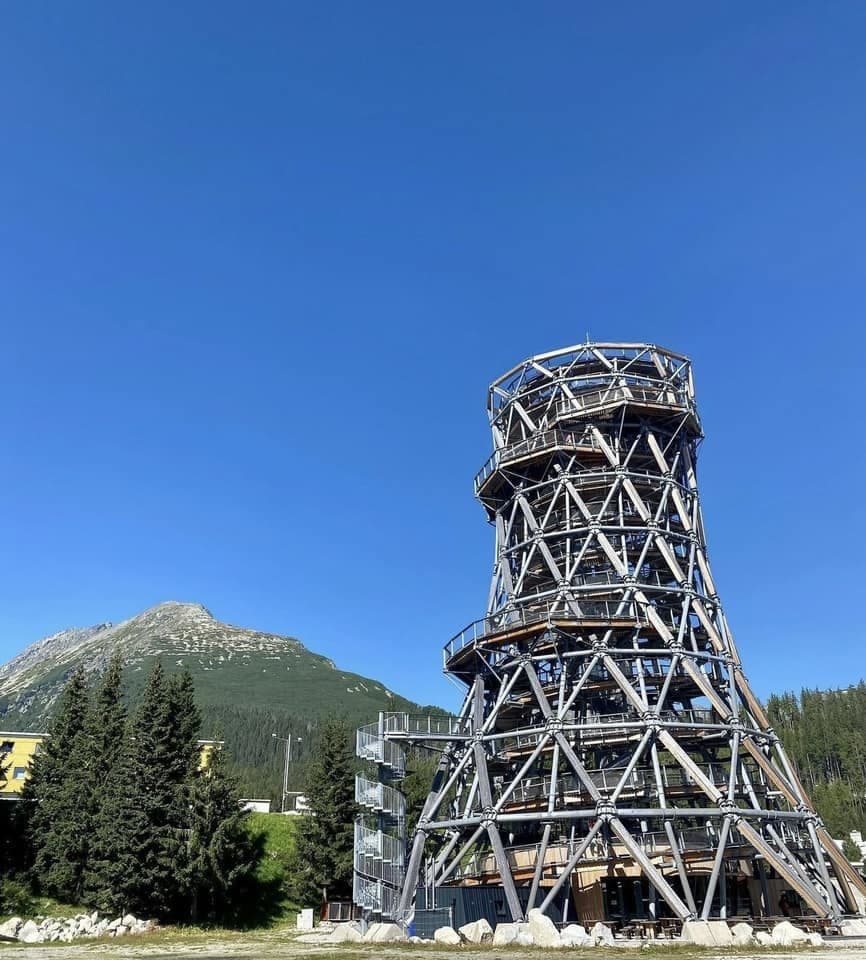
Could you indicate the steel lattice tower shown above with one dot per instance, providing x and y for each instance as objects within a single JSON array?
[{"x": 608, "y": 729}]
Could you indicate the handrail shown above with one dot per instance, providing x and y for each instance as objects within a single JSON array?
[
  {"x": 375, "y": 896},
  {"x": 607, "y": 780},
  {"x": 615, "y": 393},
  {"x": 424, "y": 725},
  {"x": 586, "y": 401},
  {"x": 557, "y": 854},
  {"x": 379, "y": 796},
  {"x": 548, "y": 440},
  {"x": 510, "y": 619}
]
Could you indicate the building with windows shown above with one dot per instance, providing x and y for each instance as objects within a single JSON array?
[
  {"x": 17, "y": 750},
  {"x": 16, "y": 754}
]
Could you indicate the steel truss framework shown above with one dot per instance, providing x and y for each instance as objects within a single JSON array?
[{"x": 607, "y": 717}]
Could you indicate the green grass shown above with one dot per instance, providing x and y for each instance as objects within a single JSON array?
[{"x": 277, "y": 835}]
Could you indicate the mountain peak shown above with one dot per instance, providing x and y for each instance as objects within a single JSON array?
[
  {"x": 177, "y": 608},
  {"x": 231, "y": 666}
]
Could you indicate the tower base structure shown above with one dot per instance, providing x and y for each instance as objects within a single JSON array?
[{"x": 610, "y": 760}]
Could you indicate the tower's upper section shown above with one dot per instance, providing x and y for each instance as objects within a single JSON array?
[
  {"x": 592, "y": 489},
  {"x": 584, "y": 380},
  {"x": 559, "y": 401}
]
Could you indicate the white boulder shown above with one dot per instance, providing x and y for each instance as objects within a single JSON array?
[
  {"x": 345, "y": 933},
  {"x": 11, "y": 927},
  {"x": 574, "y": 935},
  {"x": 815, "y": 939},
  {"x": 601, "y": 935},
  {"x": 853, "y": 928},
  {"x": 785, "y": 934},
  {"x": 478, "y": 931},
  {"x": 30, "y": 933},
  {"x": 764, "y": 939},
  {"x": 447, "y": 936},
  {"x": 743, "y": 934},
  {"x": 384, "y": 933},
  {"x": 543, "y": 930},
  {"x": 707, "y": 933},
  {"x": 506, "y": 933}
]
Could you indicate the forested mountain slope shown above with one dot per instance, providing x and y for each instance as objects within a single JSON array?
[
  {"x": 824, "y": 732},
  {"x": 249, "y": 683}
]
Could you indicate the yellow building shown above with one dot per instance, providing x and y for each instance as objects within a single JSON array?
[{"x": 17, "y": 751}]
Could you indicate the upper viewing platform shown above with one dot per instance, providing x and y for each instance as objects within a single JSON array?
[{"x": 586, "y": 381}]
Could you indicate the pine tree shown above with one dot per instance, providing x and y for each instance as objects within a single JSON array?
[
  {"x": 222, "y": 857},
  {"x": 58, "y": 789},
  {"x": 326, "y": 839}
]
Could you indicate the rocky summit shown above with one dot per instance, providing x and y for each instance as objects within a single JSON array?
[{"x": 233, "y": 668}]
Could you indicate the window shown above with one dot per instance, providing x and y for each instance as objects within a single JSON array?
[
  {"x": 7, "y": 746},
  {"x": 19, "y": 773}
]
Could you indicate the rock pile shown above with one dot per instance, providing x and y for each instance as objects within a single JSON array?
[
  {"x": 538, "y": 931},
  {"x": 67, "y": 929},
  {"x": 716, "y": 933}
]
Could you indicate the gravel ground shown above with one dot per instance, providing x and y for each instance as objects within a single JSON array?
[{"x": 275, "y": 945}]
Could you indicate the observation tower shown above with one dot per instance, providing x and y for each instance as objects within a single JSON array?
[{"x": 610, "y": 761}]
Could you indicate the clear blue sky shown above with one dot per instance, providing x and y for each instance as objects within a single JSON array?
[{"x": 259, "y": 262}]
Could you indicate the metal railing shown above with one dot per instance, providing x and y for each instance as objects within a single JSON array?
[
  {"x": 379, "y": 797},
  {"x": 590, "y": 400},
  {"x": 375, "y": 895},
  {"x": 379, "y": 845},
  {"x": 370, "y": 746},
  {"x": 505, "y": 620},
  {"x": 547, "y": 440},
  {"x": 652, "y": 843},
  {"x": 641, "y": 780},
  {"x": 424, "y": 725}
]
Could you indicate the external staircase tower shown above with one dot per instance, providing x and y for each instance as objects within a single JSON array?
[{"x": 608, "y": 730}]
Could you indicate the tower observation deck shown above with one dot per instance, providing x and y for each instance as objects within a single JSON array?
[{"x": 610, "y": 760}]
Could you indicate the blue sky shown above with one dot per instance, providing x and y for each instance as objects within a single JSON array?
[{"x": 259, "y": 262}]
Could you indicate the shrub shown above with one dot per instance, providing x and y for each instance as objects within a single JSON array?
[{"x": 15, "y": 898}]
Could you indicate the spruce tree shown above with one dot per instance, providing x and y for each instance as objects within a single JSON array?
[
  {"x": 115, "y": 880},
  {"x": 184, "y": 720},
  {"x": 58, "y": 787},
  {"x": 138, "y": 838},
  {"x": 181, "y": 768},
  {"x": 326, "y": 839},
  {"x": 107, "y": 726},
  {"x": 222, "y": 857},
  {"x": 108, "y": 736}
]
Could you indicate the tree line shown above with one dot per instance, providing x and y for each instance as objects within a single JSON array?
[
  {"x": 118, "y": 812},
  {"x": 824, "y": 732}
]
